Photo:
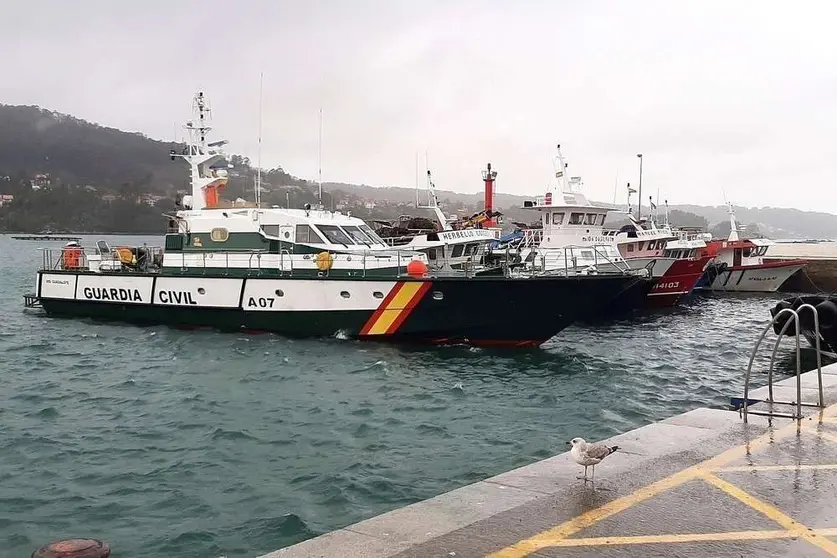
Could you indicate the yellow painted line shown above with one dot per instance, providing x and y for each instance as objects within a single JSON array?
[
  {"x": 395, "y": 307},
  {"x": 773, "y": 513},
  {"x": 747, "y": 468},
  {"x": 553, "y": 536},
  {"x": 689, "y": 537},
  {"x": 677, "y": 538}
]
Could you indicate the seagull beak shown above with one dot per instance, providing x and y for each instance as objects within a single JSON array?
[{"x": 569, "y": 443}]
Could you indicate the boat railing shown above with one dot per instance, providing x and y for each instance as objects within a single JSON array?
[
  {"x": 249, "y": 262},
  {"x": 793, "y": 319},
  {"x": 101, "y": 258},
  {"x": 549, "y": 257},
  {"x": 532, "y": 238}
]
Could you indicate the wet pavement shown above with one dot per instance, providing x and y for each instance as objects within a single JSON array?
[{"x": 702, "y": 484}]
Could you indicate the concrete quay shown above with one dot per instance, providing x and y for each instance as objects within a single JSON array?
[{"x": 700, "y": 484}]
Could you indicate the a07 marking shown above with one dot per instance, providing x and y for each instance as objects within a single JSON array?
[{"x": 260, "y": 302}]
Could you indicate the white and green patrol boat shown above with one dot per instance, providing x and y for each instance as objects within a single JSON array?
[{"x": 237, "y": 265}]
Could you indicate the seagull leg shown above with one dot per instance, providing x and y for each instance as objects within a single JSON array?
[
  {"x": 585, "y": 475},
  {"x": 593, "y": 475}
]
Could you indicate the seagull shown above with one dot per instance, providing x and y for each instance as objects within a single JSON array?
[{"x": 589, "y": 455}]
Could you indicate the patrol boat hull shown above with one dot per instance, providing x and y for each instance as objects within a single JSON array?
[{"x": 522, "y": 312}]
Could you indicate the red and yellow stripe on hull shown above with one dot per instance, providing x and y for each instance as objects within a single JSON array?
[{"x": 396, "y": 306}]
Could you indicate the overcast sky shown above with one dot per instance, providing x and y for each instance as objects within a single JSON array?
[{"x": 721, "y": 97}]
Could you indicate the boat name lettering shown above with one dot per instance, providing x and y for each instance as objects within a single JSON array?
[
  {"x": 57, "y": 281},
  {"x": 602, "y": 239},
  {"x": 260, "y": 302},
  {"x": 99, "y": 293},
  {"x": 672, "y": 285},
  {"x": 176, "y": 297},
  {"x": 762, "y": 278}
]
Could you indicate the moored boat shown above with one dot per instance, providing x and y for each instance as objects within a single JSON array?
[
  {"x": 674, "y": 258},
  {"x": 738, "y": 264},
  {"x": 303, "y": 272},
  {"x": 571, "y": 238}
]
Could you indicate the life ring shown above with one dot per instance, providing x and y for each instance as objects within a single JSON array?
[{"x": 324, "y": 261}]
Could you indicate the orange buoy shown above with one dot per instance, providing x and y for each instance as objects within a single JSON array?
[
  {"x": 74, "y": 548},
  {"x": 416, "y": 268}
]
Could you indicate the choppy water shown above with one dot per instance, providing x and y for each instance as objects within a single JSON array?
[{"x": 198, "y": 444}]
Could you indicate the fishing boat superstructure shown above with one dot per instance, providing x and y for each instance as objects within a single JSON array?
[
  {"x": 675, "y": 260},
  {"x": 236, "y": 265},
  {"x": 449, "y": 243}
]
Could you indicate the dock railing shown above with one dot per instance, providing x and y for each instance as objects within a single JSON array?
[{"x": 798, "y": 403}]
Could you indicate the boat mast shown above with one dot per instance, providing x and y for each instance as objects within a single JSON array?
[
  {"x": 259, "y": 164},
  {"x": 320, "y": 165},
  {"x": 733, "y": 228},
  {"x": 561, "y": 171},
  {"x": 200, "y": 156},
  {"x": 639, "y": 205},
  {"x": 433, "y": 203}
]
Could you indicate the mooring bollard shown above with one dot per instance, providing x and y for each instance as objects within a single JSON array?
[{"x": 74, "y": 548}]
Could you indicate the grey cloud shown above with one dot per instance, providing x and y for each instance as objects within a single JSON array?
[{"x": 732, "y": 96}]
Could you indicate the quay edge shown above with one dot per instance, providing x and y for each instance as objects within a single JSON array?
[{"x": 638, "y": 498}]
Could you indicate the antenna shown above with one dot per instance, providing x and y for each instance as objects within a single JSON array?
[
  {"x": 259, "y": 164},
  {"x": 320, "y": 164},
  {"x": 417, "y": 179},
  {"x": 615, "y": 186}
]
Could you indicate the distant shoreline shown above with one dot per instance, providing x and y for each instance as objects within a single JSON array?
[{"x": 78, "y": 233}]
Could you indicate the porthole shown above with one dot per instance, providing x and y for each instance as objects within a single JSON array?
[
  {"x": 201, "y": 290},
  {"x": 437, "y": 295},
  {"x": 345, "y": 294},
  {"x": 287, "y": 234},
  {"x": 279, "y": 292},
  {"x": 378, "y": 294},
  {"x": 219, "y": 234}
]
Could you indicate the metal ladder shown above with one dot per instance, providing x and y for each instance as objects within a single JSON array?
[{"x": 798, "y": 403}]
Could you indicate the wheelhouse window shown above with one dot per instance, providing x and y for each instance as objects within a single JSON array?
[
  {"x": 546, "y": 218},
  {"x": 630, "y": 247},
  {"x": 335, "y": 234},
  {"x": 590, "y": 219},
  {"x": 270, "y": 230},
  {"x": 358, "y": 235},
  {"x": 471, "y": 248},
  {"x": 602, "y": 220},
  {"x": 557, "y": 218},
  {"x": 457, "y": 250},
  {"x": 304, "y": 233},
  {"x": 371, "y": 234},
  {"x": 576, "y": 218}
]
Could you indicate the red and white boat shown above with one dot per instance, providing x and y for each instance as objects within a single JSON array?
[
  {"x": 738, "y": 265},
  {"x": 675, "y": 259}
]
